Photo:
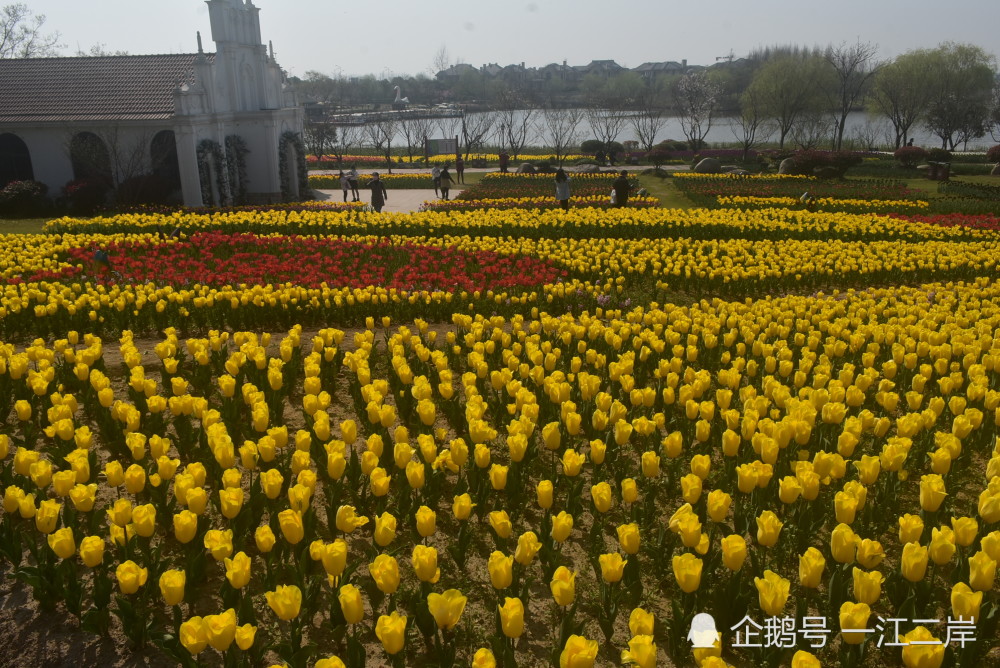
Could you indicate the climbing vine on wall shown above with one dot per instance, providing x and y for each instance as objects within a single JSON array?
[
  {"x": 293, "y": 139},
  {"x": 236, "y": 160},
  {"x": 211, "y": 157}
]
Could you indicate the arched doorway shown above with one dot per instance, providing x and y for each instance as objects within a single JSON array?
[
  {"x": 90, "y": 159},
  {"x": 15, "y": 160},
  {"x": 163, "y": 156}
]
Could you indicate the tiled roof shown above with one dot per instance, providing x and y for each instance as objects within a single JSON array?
[{"x": 95, "y": 88}]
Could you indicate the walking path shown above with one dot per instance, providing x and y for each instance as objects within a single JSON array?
[{"x": 400, "y": 201}]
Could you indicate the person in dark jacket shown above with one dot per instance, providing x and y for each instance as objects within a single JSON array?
[
  {"x": 622, "y": 188},
  {"x": 379, "y": 194},
  {"x": 446, "y": 182}
]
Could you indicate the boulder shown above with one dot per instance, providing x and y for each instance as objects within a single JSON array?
[
  {"x": 996, "y": 170},
  {"x": 587, "y": 169},
  {"x": 787, "y": 166},
  {"x": 708, "y": 166},
  {"x": 526, "y": 168}
]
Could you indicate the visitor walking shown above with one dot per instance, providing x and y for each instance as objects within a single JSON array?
[
  {"x": 436, "y": 175},
  {"x": 622, "y": 188},
  {"x": 379, "y": 194},
  {"x": 504, "y": 161},
  {"x": 352, "y": 179},
  {"x": 345, "y": 184},
  {"x": 446, "y": 182},
  {"x": 460, "y": 169},
  {"x": 562, "y": 189}
]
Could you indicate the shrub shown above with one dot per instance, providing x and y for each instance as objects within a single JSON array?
[
  {"x": 832, "y": 163},
  {"x": 85, "y": 196},
  {"x": 22, "y": 198},
  {"x": 938, "y": 155},
  {"x": 144, "y": 189},
  {"x": 910, "y": 156},
  {"x": 591, "y": 146},
  {"x": 993, "y": 154}
]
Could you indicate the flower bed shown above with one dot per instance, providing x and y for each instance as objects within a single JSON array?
[
  {"x": 822, "y": 203},
  {"x": 392, "y": 181},
  {"x": 705, "y": 189},
  {"x": 540, "y": 203}
]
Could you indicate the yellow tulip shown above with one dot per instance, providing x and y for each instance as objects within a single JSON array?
[
  {"x": 772, "y": 591},
  {"x": 483, "y": 658},
  {"x": 385, "y": 529},
  {"x": 867, "y": 586},
  {"x": 965, "y": 603},
  {"x": 734, "y": 552},
  {"x": 512, "y": 617},
  {"x": 501, "y": 524},
  {"x": 351, "y": 604},
  {"x": 131, "y": 576},
  {"x": 924, "y": 655},
  {"x": 914, "y": 562},
  {"x": 562, "y": 525},
  {"x": 768, "y": 528},
  {"x": 426, "y": 521},
  {"x": 172, "y": 586},
  {"x": 238, "y": 570},
  {"x": 62, "y": 543},
  {"x": 687, "y": 571},
  {"x": 92, "y": 550},
  {"x": 194, "y": 635},
  {"x": 932, "y": 492},
  {"x": 640, "y": 622},
  {"x": 612, "y": 567},
  {"x": 528, "y": 546},
  {"x": 290, "y": 522},
  {"x": 853, "y": 616},
  {"x": 446, "y": 608},
  {"x": 425, "y": 563},
  {"x": 982, "y": 571},
  {"x": 221, "y": 629},
  {"x": 544, "y": 494},
  {"x": 462, "y": 506},
  {"x": 628, "y": 538},
  {"x": 264, "y": 538},
  {"x": 641, "y": 652},
  {"x": 579, "y": 652},
  {"x": 285, "y": 601},
  {"x": 911, "y": 528},
  {"x": 811, "y": 565},
  {"x": 391, "y": 631},
  {"x": 563, "y": 586},
  {"x": 602, "y": 497},
  {"x": 385, "y": 571},
  {"x": 347, "y": 519}
]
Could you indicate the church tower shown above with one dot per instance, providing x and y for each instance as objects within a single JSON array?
[{"x": 247, "y": 79}]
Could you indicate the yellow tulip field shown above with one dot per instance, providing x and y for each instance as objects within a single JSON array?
[{"x": 740, "y": 437}]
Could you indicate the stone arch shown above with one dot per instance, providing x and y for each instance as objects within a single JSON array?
[
  {"x": 163, "y": 157},
  {"x": 90, "y": 158},
  {"x": 15, "y": 160}
]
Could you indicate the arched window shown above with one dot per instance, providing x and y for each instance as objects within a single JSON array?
[
  {"x": 163, "y": 155},
  {"x": 15, "y": 160},
  {"x": 248, "y": 89},
  {"x": 90, "y": 158}
]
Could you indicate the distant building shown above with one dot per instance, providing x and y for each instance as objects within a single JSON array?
[
  {"x": 221, "y": 127},
  {"x": 653, "y": 71}
]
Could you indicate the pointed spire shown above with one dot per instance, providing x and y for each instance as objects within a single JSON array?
[
  {"x": 200, "y": 49},
  {"x": 270, "y": 48}
]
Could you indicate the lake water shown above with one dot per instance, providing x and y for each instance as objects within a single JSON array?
[{"x": 722, "y": 132}]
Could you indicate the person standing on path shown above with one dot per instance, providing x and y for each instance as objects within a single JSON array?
[
  {"x": 460, "y": 169},
  {"x": 379, "y": 194},
  {"x": 352, "y": 179},
  {"x": 436, "y": 175},
  {"x": 504, "y": 161},
  {"x": 562, "y": 189},
  {"x": 622, "y": 188},
  {"x": 345, "y": 184},
  {"x": 445, "y": 182}
]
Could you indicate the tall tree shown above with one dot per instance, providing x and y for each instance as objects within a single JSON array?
[
  {"x": 789, "y": 87},
  {"x": 697, "y": 99},
  {"x": 961, "y": 84},
  {"x": 21, "y": 34},
  {"x": 476, "y": 127},
  {"x": 854, "y": 66},
  {"x": 900, "y": 92}
]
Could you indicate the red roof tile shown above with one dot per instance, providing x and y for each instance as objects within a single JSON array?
[{"x": 96, "y": 88}]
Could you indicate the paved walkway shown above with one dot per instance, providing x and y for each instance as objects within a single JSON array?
[{"x": 400, "y": 201}]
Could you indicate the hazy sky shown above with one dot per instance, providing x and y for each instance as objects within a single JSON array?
[{"x": 402, "y": 36}]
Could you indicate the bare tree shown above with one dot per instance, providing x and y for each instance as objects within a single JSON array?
[
  {"x": 788, "y": 86},
  {"x": 697, "y": 101},
  {"x": 442, "y": 61},
  {"x": 750, "y": 127},
  {"x": 649, "y": 117},
  {"x": 867, "y": 136},
  {"x": 347, "y": 137},
  {"x": 381, "y": 133},
  {"x": 514, "y": 117},
  {"x": 99, "y": 49},
  {"x": 449, "y": 126},
  {"x": 416, "y": 131},
  {"x": 898, "y": 92},
  {"x": 855, "y": 66},
  {"x": 319, "y": 135},
  {"x": 21, "y": 34},
  {"x": 476, "y": 128},
  {"x": 560, "y": 130},
  {"x": 812, "y": 129}
]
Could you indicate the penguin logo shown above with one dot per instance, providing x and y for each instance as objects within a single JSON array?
[{"x": 703, "y": 634}]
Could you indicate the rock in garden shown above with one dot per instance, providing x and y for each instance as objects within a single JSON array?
[
  {"x": 787, "y": 166},
  {"x": 708, "y": 166},
  {"x": 737, "y": 171},
  {"x": 587, "y": 169},
  {"x": 526, "y": 168}
]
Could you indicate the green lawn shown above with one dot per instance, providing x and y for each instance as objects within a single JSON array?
[
  {"x": 22, "y": 225},
  {"x": 665, "y": 190}
]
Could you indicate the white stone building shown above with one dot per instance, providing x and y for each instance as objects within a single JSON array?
[{"x": 220, "y": 127}]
